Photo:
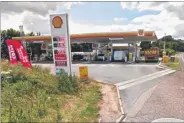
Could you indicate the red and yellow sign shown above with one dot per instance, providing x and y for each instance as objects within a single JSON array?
[
  {"x": 140, "y": 32},
  {"x": 57, "y": 22},
  {"x": 83, "y": 72},
  {"x": 151, "y": 52}
]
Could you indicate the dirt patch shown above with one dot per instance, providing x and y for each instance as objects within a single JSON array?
[{"x": 109, "y": 106}]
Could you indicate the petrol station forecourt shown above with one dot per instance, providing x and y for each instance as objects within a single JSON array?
[{"x": 125, "y": 42}]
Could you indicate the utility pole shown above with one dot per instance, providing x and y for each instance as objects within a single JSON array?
[
  {"x": 164, "y": 42},
  {"x": 164, "y": 52},
  {"x": 22, "y": 33}
]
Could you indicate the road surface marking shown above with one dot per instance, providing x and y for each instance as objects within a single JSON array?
[
  {"x": 141, "y": 65},
  {"x": 145, "y": 80},
  {"x": 140, "y": 78}
]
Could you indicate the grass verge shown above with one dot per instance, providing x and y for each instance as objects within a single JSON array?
[
  {"x": 34, "y": 95},
  {"x": 174, "y": 65}
]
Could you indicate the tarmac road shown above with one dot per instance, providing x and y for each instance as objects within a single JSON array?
[{"x": 113, "y": 73}]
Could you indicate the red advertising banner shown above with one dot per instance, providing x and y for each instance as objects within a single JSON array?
[
  {"x": 12, "y": 54},
  {"x": 153, "y": 52},
  {"x": 19, "y": 48}
]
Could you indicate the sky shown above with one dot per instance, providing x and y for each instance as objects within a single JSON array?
[{"x": 90, "y": 17}]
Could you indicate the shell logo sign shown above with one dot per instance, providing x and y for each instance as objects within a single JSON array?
[
  {"x": 57, "y": 22},
  {"x": 140, "y": 32}
]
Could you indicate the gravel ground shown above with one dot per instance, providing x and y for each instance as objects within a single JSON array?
[{"x": 110, "y": 109}]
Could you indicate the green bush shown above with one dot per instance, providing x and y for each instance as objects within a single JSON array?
[
  {"x": 28, "y": 95},
  {"x": 169, "y": 52},
  {"x": 24, "y": 101},
  {"x": 68, "y": 83},
  {"x": 34, "y": 95}
]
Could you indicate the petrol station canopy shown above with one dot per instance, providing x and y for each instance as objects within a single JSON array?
[{"x": 109, "y": 37}]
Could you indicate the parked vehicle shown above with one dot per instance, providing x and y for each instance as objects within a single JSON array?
[
  {"x": 77, "y": 57},
  {"x": 119, "y": 55},
  {"x": 100, "y": 56}
]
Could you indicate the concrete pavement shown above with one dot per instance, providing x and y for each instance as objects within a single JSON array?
[
  {"x": 112, "y": 72},
  {"x": 164, "y": 100}
]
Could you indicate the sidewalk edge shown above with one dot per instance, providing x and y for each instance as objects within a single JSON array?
[{"x": 122, "y": 116}]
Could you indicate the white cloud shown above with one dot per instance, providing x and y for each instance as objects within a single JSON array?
[
  {"x": 164, "y": 22},
  {"x": 118, "y": 20},
  {"x": 161, "y": 23},
  {"x": 155, "y": 6},
  {"x": 37, "y": 23},
  {"x": 142, "y": 6},
  {"x": 39, "y": 8}
]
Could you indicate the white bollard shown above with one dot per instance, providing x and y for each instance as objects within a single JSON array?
[
  {"x": 125, "y": 59},
  {"x": 134, "y": 59}
]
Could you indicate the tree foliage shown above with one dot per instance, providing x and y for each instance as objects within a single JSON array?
[
  {"x": 36, "y": 48},
  {"x": 84, "y": 47},
  {"x": 145, "y": 45}
]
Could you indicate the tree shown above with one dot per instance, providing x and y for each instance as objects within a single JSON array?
[
  {"x": 4, "y": 35},
  {"x": 30, "y": 34},
  {"x": 145, "y": 45},
  {"x": 155, "y": 44},
  {"x": 167, "y": 38},
  {"x": 15, "y": 33}
]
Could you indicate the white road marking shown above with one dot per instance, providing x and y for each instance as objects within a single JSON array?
[
  {"x": 104, "y": 65},
  {"x": 141, "y": 65},
  {"x": 145, "y": 80},
  {"x": 140, "y": 78},
  {"x": 88, "y": 65},
  {"x": 182, "y": 57}
]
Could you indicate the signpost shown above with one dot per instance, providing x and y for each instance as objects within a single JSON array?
[
  {"x": 83, "y": 70},
  {"x": 61, "y": 43}
]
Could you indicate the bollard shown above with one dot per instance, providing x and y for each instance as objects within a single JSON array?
[{"x": 125, "y": 59}]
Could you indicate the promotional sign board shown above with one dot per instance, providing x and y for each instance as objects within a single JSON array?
[
  {"x": 83, "y": 70},
  {"x": 12, "y": 54},
  {"x": 22, "y": 54},
  {"x": 15, "y": 45},
  {"x": 61, "y": 43},
  {"x": 153, "y": 52}
]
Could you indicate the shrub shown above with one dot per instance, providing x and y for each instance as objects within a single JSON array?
[
  {"x": 28, "y": 95},
  {"x": 68, "y": 83},
  {"x": 169, "y": 52}
]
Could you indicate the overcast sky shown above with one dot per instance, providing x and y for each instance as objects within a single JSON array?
[{"x": 88, "y": 17}]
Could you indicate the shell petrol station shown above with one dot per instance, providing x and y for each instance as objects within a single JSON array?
[
  {"x": 116, "y": 41},
  {"x": 109, "y": 46}
]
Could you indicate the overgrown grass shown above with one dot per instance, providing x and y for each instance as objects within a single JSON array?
[
  {"x": 34, "y": 95},
  {"x": 174, "y": 65}
]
